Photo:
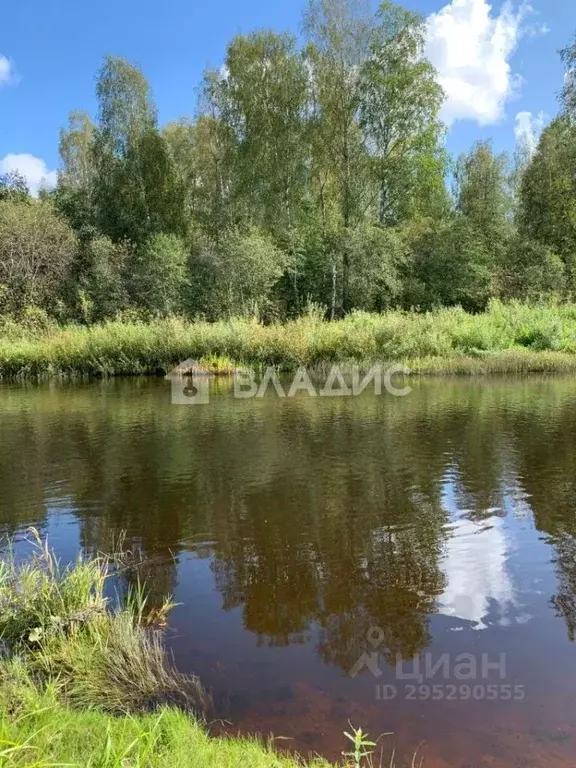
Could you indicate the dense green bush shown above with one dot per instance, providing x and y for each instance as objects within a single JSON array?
[{"x": 37, "y": 249}]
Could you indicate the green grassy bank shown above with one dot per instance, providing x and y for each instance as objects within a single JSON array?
[
  {"x": 47, "y": 734},
  {"x": 85, "y": 679},
  {"x": 507, "y": 338}
]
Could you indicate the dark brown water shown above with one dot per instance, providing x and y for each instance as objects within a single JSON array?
[{"x": 300, "y": 534}]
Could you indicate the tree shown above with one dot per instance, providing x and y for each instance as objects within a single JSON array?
[
  {"x": 163, "y": 198},
  {"x": 74, "y": 196},
  {"x": 568, "y": 94},
  {"x": 451, "y": 264},
  {"x": 203, "y": 154},
  {"x": 77, "y": 151},
  {"x": 399, "y": 113},
  {"x": 159, "y": 274},
  {"x": 137, "y": 190},
  {"x": 13, "y": 187},
  {"x": 237, "y": 275},
  {"x": 376, "y": 258},
  {"x": 98, "y": 285},
  {"x": 125, "y": 107},
  {"x": 338, "y": 32},
  {"x": 531, "y": 271},
  {"x": 36, "y": 250},
  {"x": 261, "y": 97},
  {"x": 547, "y": 193},
  {"x": 547, "y": 209},
  {"x": 482, "y": 190}
]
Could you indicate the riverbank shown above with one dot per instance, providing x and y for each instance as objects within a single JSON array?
[
  {"x": 47, "y": 734},
  {"x": 85, "y": 680},
  {"x": 507, "y": 338}
]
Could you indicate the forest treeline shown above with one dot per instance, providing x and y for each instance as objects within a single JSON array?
[{"x": 314, "y": 172}]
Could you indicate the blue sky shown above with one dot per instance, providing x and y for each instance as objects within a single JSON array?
[{"x": 495, "y": 61}]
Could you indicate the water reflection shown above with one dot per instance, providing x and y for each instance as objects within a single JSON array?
[
  {"x": 451, "y": 509},
  {"x": 476, "y": 573},
  {"x": 476, "y": 558}
]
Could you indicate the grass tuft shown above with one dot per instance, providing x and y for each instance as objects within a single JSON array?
[{"x": 59, "y": 624}]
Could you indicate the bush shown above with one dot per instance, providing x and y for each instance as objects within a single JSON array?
[
  {"x": 531, "y": 271},
  {"x": 36, "y": 251},
  {"x": 236, "y": 276},
  {"x": 139, "y": 346},
  {"x": 451, "y": 265},
  {"x": 102, "y": 280},
  {"x": 159, "y": 275},
  {"x": 376, "y": 256}
]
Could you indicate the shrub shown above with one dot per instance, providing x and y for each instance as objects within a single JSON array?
[
  {"x": 36, "y": 252},
  {"x": 159, "y": 275}
]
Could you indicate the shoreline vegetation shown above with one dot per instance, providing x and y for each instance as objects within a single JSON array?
[
  {"x": 311, "y": 189},
  {"x": 85, "y": 680},
  {"x": 509, "y": 338},
  {"x": 312, "y": 180}
]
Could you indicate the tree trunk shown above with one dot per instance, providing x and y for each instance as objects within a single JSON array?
[{"x": 333, "y": 303}]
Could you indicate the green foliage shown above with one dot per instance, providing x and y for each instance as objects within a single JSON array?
[
  {"x": 159, "y": 271},
  {"x": 37, "y": 248},
  {"x": 339, "y": 43},
  {"x": 442, "y": 340},
  {"x": 133, "y": 184},
  {"x": 101, "y": 282},
  {"x": 86, "y": 681},
  {"x": 452, "y": 264},
  {"x": 261, "y": 101},
  {"x": 362, "y": 746},
  {"x": 76, "y": 151},
  {"x": 568, "y": 96},
  {"x": 59, "y": 623},
  {"x": 236, "y": 275},
  {"x": 375, "y": 257},
  {"x": 39, "y": 597},
  {"x": 547, "y": 195},
  {"x": 310, "y": 174},
  {"x": 483, "y": 197},
  {"x": 400, "y": 100},
  {"x": 125, "y": 108},
  {"x": 13, "y": 187},
  {"x": 531, "y": 270},
  {"x": 49, "y": 734}
]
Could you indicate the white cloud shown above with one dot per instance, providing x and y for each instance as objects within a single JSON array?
[
  {"x": 471, "y": 48},
  {"x": 527, "y": 130},
  {"x": 34, "y": 170},
  {"x": 539, "y": 29},
  {"x": 6, "y": 71}
]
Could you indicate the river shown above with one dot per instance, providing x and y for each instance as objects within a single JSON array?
[{"x": 407, "y": 564}]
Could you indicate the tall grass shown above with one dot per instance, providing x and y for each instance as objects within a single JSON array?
[
  {"x": 59, "y": 624},
  {"x": 468, "y": 343},
  {"x": 51, "y": 735}
]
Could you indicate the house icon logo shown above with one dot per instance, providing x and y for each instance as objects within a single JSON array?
[{"x": 190, "y": 384}]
